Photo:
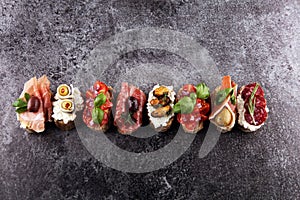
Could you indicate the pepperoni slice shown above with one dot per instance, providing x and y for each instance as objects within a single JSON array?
[
  {"x": 247, "y": 91},
  {"x": 260, "y": 116},
  {"x": 186, "y": 91}
]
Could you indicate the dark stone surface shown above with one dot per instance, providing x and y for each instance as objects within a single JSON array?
[{"x": 252, "y": 41}]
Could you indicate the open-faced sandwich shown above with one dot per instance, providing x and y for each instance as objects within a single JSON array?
[
  {"x": 34, "y": 106},
  {"x": 252, "y": 107},
  {"x": 97, "y": 111},
  {"x": 160, "y": 105},
  {"x": 192, "y": 107},
  {"x": 129, "y": 109},
  {"x": 223, "y": 101},
  {"x": 68, "y": 102}
]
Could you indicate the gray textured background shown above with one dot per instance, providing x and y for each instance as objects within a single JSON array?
[{"x": 248, "y": 40}]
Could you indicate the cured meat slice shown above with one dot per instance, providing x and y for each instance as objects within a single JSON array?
[{"x": 129, "y": 109}]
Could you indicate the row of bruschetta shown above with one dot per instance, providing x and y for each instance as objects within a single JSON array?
[{"x": 192, "y": 105}]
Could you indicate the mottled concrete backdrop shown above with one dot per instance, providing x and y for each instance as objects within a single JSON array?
[{"x": 250, "y": 40}]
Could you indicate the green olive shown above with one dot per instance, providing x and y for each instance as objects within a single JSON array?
[
  {"x": 67, "y": 106},
  {"x": 224, "y": 118}
]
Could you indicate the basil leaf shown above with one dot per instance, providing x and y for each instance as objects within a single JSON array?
[
  {"x": 193, "y": 96},
  {"x": 19, "y": 103},
  {"x": 202, "y": 91},
  {"x": 222, "y": 94},
  {"x": 99, "y": 100},
  {"x": 27, "y": 96},
  {"x": 176, "y": 108},
  {"x": 185, "y": 105},
  {"x": 97, "y": 115},
  {"x": 21, "y": 110},
  {"x": 233, "y": 99}
]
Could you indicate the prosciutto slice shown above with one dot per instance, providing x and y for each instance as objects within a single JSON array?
[
  {"x": 122, "y": 108},
  {"x": 40, "y": 88}
]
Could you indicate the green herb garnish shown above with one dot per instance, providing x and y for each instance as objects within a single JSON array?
[
  {"x": 223, "y": 94},
  {"x": 202, "y": 91},
  {"x": 233, "y": 98},
  {"x": 186, "y": 104},
  {"x": 128, "y": 119},
  {"x": 97, "y": 115},
  {"x": 100, "y": 100},
  {"x": 20, "y": 104},
  {"x": 97, "y": 112},
  {"x": 252, "y": 100}
]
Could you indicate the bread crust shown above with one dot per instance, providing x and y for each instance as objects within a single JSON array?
[
  {"x": 65, "y": 127},
  {"x": 164, "y": 128}
]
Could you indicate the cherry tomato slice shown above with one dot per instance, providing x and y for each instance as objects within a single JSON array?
[
  {"x": 100, "y": 87},
  {"x": 105, "y": 119}
]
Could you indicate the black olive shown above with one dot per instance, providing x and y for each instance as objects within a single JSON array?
[
  {"x": 133, "y": 104},
  {"x": 33, "y": 104}
]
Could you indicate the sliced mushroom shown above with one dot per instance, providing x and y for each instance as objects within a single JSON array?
[{"x": 162, "y": 111}]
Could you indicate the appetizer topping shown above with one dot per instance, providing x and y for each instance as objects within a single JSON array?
[
  {"x": 132, "y": 107},
  {"x": 192, "y": 108},
  {"x": 98, "y": 113},
  {"x": 68, "y": 102},
  {"x": 252, "y": 107},
  {"x": 98, "y": 105},
  {"x": 129, "y": 108},
  {"x": 222, "y": 95},
  {"x": 67, "y": 106},
  {"x": 202, "y": 91},
  {"x": 21, "y": 105},
  {"x": 162, "y": 111},
  {"x": 186, "y": 104},
  {"x": 251, "y": 104},
  {"x": 224, "y": 118},
  {"x": 161, "y": 91},
  {"x": 160, "y": 105},
  {"x": 133, "y": 104},
  {"x": 224, "y": 105},
  {"x": 64, "y": 90},
  {"x": 33, "y": 104},
  {"x": 128, "y": 118},
  {"x": 100, "y": 87}
]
